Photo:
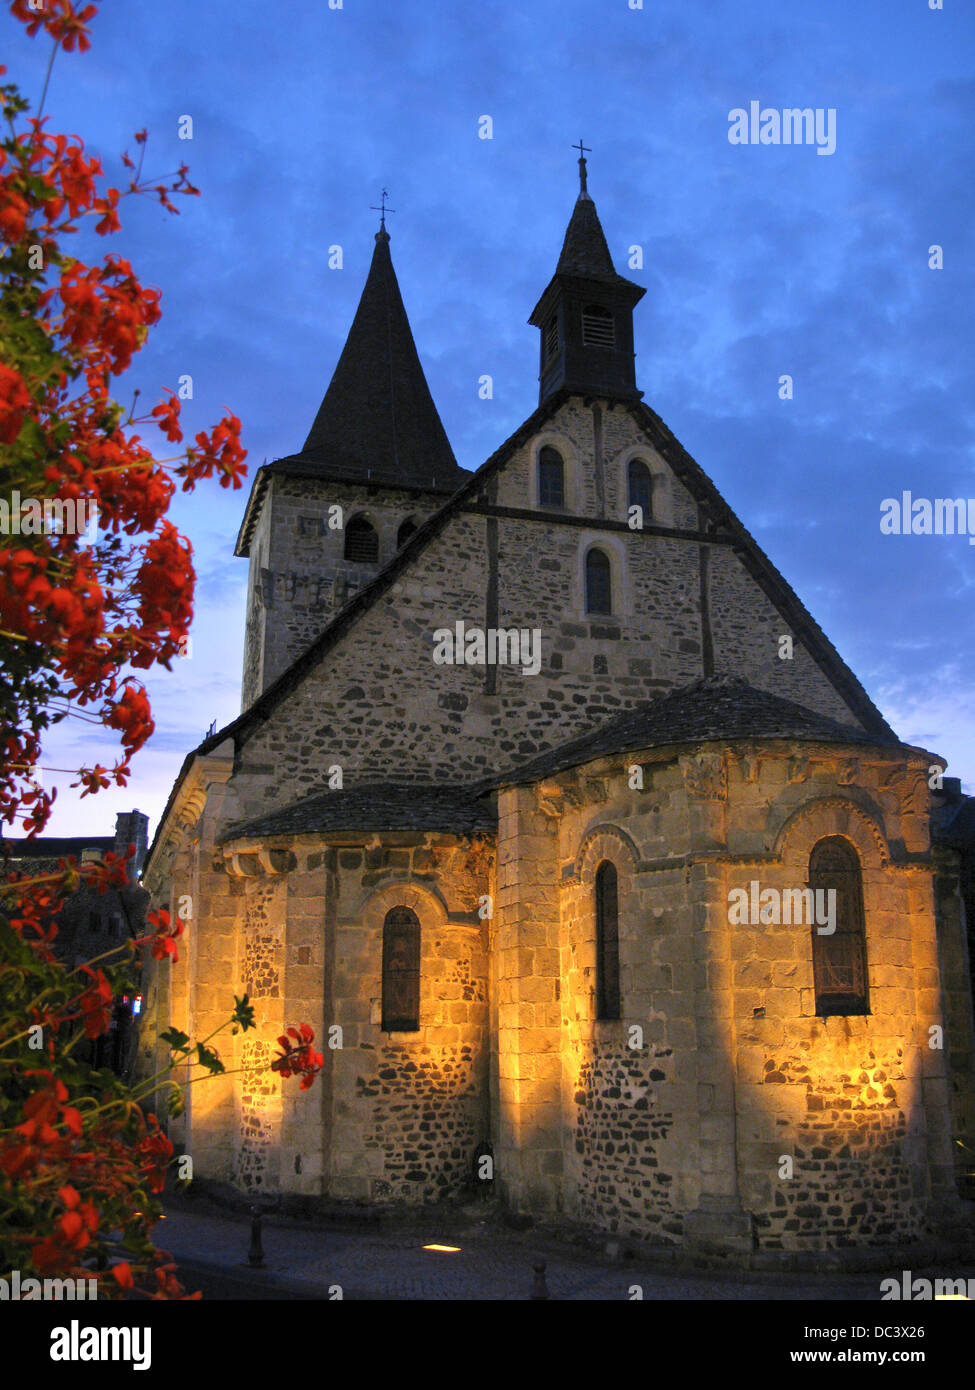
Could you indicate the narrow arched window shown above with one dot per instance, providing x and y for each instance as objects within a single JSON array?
[
  {"x": 401, "y": 971},
  {"x": 598, "y": 328},
  {"x": 607, "y": 942},
  {"x": 599, "y": 586},
  {"x": 405, "y": 531},
  {"x": 551, "y": 479},
  {"x": 839, "y": 946},
  {"x": 640, "y": 487},
  {"x": 361, "y": 541}
]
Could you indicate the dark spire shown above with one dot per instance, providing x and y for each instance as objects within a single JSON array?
[
  {"x": 586, "y": 312},
  {"x": 584, "y": 250},
  {"x": 378, "y": 419}
]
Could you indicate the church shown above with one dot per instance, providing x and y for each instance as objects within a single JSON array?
[{"x": 595, "y": 869}]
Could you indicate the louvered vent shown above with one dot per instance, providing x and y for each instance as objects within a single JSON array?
[{"x": 598, "y": 328}]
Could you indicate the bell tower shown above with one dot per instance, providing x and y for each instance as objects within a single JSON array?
[
  {"x": 585, "y": 315},
  {"x": 376, "y": 464}
]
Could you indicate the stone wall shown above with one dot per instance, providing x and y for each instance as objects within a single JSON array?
[
  {"x": 298, "y": 927},
  {"x": 298, "y": 577},
  {"x": 409, "y": 1109},
  {"x": 720, "y": 1100},
  {"x": 378, "y": 706}
]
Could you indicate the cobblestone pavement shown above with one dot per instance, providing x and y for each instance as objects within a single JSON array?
[{"x": 303, "y": 1261}]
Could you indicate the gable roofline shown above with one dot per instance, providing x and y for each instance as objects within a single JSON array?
[
  {"x": 722, "y": 708},
  {"x": 773, "y": 584},
  {"x": 685, "y": 468},
  {"x": 257, "y": 713}
]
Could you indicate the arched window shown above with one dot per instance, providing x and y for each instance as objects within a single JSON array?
[
  {"x": 640, "y": 487},
  {"x": 599, "y": 587},
  {"x": 607, "y": 942},
  {"x": 598, "y": 328},
  {"x": 401, "y": 971},
  {"x": 405, "y": 532},
  {"x": 840, "y": 956},
  {"x": 361, "y": 541},
  {"x": 551, "y": 479}
]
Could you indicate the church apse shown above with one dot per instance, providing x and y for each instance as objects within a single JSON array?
[{"x": 728, "y": 1106}]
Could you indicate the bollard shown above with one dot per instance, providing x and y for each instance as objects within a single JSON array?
[
  {"x": 539, "y": 1286},
  {"x": 255, "y": 1255}
]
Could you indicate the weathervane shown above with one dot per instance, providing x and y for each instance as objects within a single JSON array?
[
  {"x": 583, "y": 151},
  {"x": 382, "y": 210}
]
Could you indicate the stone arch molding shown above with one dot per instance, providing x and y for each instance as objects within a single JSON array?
[
  {"x": 428, "y": 905},
  {"x": 571, "y": 471},
  {"x": 659, "y": 476},
  {"x": 605, "y": 841},
  {"x": 833, "y": 815}
]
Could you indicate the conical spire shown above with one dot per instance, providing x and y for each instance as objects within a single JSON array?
[
  {"x": 378, "y": 420},
  {"x": 584, "y": 250}
]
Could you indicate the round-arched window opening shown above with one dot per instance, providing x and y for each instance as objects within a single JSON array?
[
  {"x": 599, "y": 584},
  {"x": 361, "y": 542}
]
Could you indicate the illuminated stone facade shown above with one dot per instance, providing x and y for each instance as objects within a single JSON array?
[{"x": 699, "y": 737}]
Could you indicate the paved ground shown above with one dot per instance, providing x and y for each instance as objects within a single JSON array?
[{"x": 493, "y": 1262}]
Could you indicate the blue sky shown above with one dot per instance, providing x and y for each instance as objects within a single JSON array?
[{"x": 759, "y": 261}]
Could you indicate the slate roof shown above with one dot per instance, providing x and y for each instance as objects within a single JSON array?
[
  {"x": 376, "y": 806},
  {"x": 584, "y": 251},
  {"x": 56, "y": 847},
  {"x": 720, "y": 708},
  {"x": 954, "y": 823},
  {"x": 377, "y": 422},
  {"x": 378, "y": 417}
]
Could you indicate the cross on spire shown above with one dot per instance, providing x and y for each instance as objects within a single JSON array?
[
  {"x": 382, "y": 210},
  {"x": 583, "y": 151}
]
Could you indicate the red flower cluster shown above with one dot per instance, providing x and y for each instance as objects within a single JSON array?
[
  {"x": 15, "y": 399},
  {"x": 60, "y": 19},
  {"x": 297, "y": 1058},
  {"x": 39, "y": 1140},
  {"x": 155, "y": 1151},
  {"x": 131, "y": 715},
  {"x": 163, "y": 940},
  {"x": 83, "y": 609},
  {"x": 72, "y": 1233},
  {"x": 96, "y": 1004}
]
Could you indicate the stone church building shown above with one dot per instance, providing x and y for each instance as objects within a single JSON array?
[{"x": 560, "y": 820}]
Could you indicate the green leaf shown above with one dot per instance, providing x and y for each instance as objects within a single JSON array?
[
  {"x": 243, "y": 1013},
  {"x": 209, "y": 1059},
  {"x": 177, "y": 1040}
]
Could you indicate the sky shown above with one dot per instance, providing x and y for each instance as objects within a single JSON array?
[{"x": 759, "y": 261}]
